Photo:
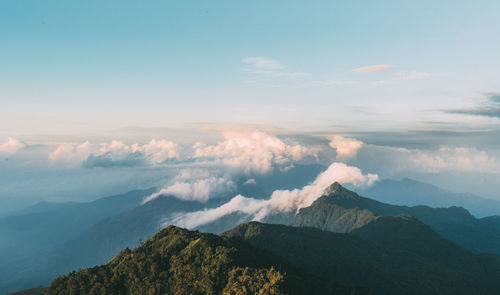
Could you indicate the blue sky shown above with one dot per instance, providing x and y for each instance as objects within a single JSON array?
[{"x": 82, "y": 66}]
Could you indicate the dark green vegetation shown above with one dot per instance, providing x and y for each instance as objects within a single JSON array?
[
  {"x": 341, "y": 210},
  {"x": 178, "y": 261},
  {"x": 391, "y": 255}
]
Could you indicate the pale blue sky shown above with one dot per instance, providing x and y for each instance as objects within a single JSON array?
[{"x": 80, "y": 66}]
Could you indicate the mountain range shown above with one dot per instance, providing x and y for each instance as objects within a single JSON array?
[
  {"x": 339, "y": 213},
  {"x": 374, "y": 254}
]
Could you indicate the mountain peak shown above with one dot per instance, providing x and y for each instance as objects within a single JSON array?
[
  {"x": 337, "y": 191},
  {"x": 333, "y": 188}
]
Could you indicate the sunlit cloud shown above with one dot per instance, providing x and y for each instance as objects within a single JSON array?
[
  {"x": 372, "y": 69},
  {"x": 253, "y": 151},
  {"x": 12, "y": 146},
  {"x": 345, "y": 147}
]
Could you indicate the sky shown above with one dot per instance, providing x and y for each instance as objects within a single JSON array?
[
  {"x": 83, "y": 66},
  {"x": 95, "y": 93}
]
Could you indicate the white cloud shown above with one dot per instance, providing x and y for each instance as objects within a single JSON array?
[
  {"x": 154, "y": 152},
  {"x": 71, "y": 153},
  {"x": 454, "y": 159},
  {"x": 280, "y": 201},
  {"x": 253, "y": 151},
  {"x": 345, "y": 147},
  {"x": 372, "y": 69},
  {"x": 196, "y": 185},
  {"x": 12, "y": 146}
]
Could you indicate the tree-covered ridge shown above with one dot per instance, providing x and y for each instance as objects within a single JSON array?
[
  {"x": 391, "y": 255},
  {"x": 178, "y": 261}
]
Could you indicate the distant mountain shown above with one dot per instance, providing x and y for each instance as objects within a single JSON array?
[
  {"x": 410, "y": 192},
  {"x": 178, "y": 261},
  {"x": 383, "y": 256},
  {"x": 453, "y": 223},
  {"x": 32, "y": 233},
  {"x": 491, "y": 221}
]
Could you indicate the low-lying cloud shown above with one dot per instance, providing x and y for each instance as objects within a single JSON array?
[
  {"x": 196, "y": 185},
  {"x": 281, "y": 201}
]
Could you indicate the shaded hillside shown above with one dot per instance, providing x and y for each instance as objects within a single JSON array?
[
  {"x": 410, "y": 192},
  {"x": 29, "y": 237},
  {"x": 386, "y": 267},
  {"x": 492, "y": 221},
  {"x": 178, "y": 261},
  {"x": 454, "y": 223}
]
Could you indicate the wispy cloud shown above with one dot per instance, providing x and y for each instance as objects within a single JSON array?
[
  {"x": 262, "y": 66},
  {"x": 263, "y": 63},
  {"x": 488, "y": 107},
  {"x": 372, "y": 69}
]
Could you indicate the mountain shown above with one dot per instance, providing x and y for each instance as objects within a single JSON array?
[
  {"x": 376, "y": 256},
  {"x": 33, "y": 233},
  {"x": 342, "y": 210},
  {"x": 491, "y": 221},
  {"x": 342, "y": 244},
  {"x": 410, "y": 192},
  {"x": 178, "y": 261}
]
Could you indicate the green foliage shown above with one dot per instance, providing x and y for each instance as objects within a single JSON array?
[
  {"x": 177, "y": 261},
  {"x": 393, "y": 255}
]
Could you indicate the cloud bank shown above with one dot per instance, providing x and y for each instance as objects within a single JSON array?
[
  {"x": 115, "y": 153},
  {"x": 281, "y": 201},
  {"x": 253, "y": 152}
]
